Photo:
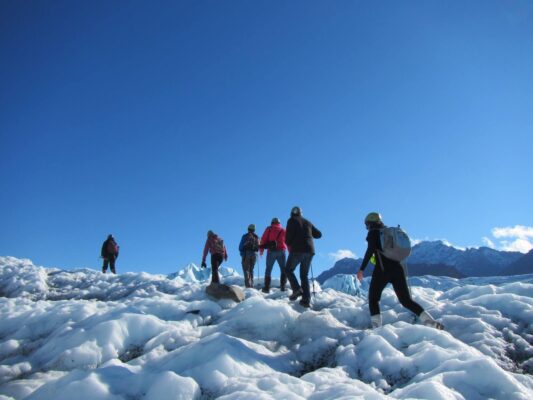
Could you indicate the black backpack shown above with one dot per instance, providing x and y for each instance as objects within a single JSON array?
[{"x": 272, "y": 244}]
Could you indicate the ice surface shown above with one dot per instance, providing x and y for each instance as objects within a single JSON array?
[{"x": 83, "y": 334}]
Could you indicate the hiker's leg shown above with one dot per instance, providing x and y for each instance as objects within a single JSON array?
[
  {"x": 245, "y": 270},
  {"x": 269, "y": 263},
  {"x": 377, "y": 284},
  {"x": 281, "y": 262},
  {"x": 292, "y": 263},
  {"x": 105, "y": 265},
  {"x": 216, "y": 260},
  {"x": 112, "y": 260},
  {"x": 399, "y": 284},
  {"x": 304, "y": 276}
]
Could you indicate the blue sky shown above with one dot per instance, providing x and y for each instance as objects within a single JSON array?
[{"x": 157, "y": 121}]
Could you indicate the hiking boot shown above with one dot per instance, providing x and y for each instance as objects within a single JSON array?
[
  {"x": 282, "y": 282},
  {"x": 305, "y": 303},
  {"x": 375, "y": 321},
  {"x": 266, "y": 288},
  {"x": 428, "y": 320},
  {"x": 297, "y": 293}
]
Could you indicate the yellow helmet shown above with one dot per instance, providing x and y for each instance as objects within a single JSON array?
[{"x": 373, "y": 217}]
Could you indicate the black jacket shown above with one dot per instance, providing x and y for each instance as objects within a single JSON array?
[{"x": 299, "y": 235}]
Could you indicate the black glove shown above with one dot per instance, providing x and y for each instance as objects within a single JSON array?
[{"x": 204, "y": 265}]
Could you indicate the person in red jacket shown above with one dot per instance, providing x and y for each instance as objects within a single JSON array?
[
  {"x": 214, "y": 245},
  {"x": 273, "y": 240}
]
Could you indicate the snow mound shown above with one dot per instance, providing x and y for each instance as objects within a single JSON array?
[{"x": 83, "y": 334}]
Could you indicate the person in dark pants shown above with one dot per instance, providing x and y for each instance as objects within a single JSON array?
[
  {"x": 299, "y": 238},
  {"x": 248, "y": 248},
  {"x": 109, "y": 253},
  {"x": 387, "y": 271},
  {"x": 273, "y": 240},
  {"x": 214, "y": 245}
]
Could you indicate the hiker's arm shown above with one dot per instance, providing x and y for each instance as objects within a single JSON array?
[
  {"x": 289, "y": 233},
  {"x": 241, "y": 245},
  {"x": 371, "y": 238},
  {"x": 206, "y": 249},
  {"x": 315, "y": 232}
]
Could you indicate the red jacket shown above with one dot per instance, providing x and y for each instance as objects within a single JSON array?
[
  {"x": 210, "y": 247},
  {"x": 274, "y": 232}
]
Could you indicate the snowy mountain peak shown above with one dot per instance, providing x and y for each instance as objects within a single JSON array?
[{"x": 482, "y": 261}]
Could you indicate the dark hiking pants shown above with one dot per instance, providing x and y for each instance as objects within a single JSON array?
[
  {"x": 109, "y": 261},
  {"x": 393, "y": 274},
  {"x": 304, "y": 260},
  {"x": 216, "y": 260},
  {"x": 248, "y": 263}
]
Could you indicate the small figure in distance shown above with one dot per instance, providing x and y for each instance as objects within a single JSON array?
[
  {"x": 273, "y": 240},
  {"x": 214, "y": 245},
  {"x": 248, "y": 248},
  {"x": 299, "y": 238},
  {"x": 385, "y": 271},
  {"x": 109, "y": 253}
]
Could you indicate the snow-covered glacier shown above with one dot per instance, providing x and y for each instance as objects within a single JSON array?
[{"x": 84, "y": 334}]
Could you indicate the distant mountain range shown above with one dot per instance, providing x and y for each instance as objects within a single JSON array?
[
  {"x": 523, "y": 265},
  {"x": 439, "y": 259},
  {"x": 482, "y": 261}
]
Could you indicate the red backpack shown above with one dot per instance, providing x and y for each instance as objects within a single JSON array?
[{"x": 218, "y": 246}]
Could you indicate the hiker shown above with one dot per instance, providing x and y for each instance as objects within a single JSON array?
[
  {"x": 109, "y": 253},
  {"x": 248, "y": 248},
  {"x": 273, "y": 240},
  {"x": 387, "y": 271},
  {"x": 214, "y": 245},
  {"x": 299, "y": 238}
]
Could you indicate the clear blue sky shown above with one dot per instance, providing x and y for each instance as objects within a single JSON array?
[{"x": 156, "y": 121}]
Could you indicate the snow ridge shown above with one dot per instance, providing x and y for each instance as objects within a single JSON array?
[{"x": 66, "y": 334}]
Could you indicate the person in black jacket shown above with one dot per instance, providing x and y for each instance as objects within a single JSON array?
[
  {"x": 299, "y": 238},
  {"x": 387, "y": 271},
  {"x": 109, "y": 253}
]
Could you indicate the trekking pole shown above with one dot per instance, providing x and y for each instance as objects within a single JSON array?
[
  {"x": 312, "y": 279},
  {"x": 258, "y": 269}
]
